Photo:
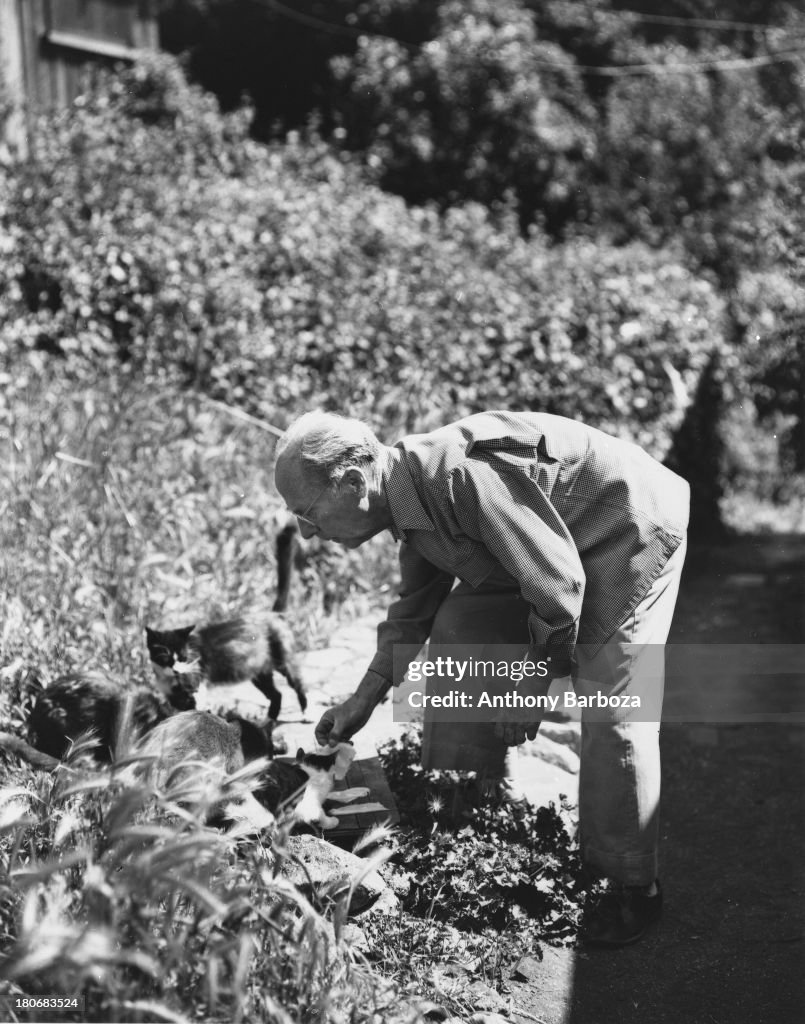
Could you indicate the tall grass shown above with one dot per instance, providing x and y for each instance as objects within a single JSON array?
[
  {"x": 152, "y": 916},
  {"x": 126, "y": 502}
]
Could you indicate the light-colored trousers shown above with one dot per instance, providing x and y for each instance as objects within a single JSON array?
[{"x": 619, "y": 781}]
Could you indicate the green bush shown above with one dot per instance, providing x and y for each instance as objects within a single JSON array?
[
  {"x": 477, "y": 112},
  {"x": 499, "y": 867},
  {"x": 114, "y": 894},
  {"x": 150, "y": 233}
]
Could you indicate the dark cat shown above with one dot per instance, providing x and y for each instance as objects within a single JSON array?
[
  {"x": 76, "y": 703},
  {"x": 236, "y": 650},
  {"x": 83, "y": 702}
]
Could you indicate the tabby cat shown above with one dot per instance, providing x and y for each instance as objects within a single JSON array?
[{"x": 209, "y": 748}]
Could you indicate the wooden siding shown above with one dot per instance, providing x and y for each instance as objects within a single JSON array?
[{"x": 47, "y": 47}]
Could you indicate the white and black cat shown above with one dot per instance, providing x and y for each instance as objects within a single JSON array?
[
  {"x": 210, "y": 748},
  {"x": 313, "y": 775},
  {"x": 246, "y": 648}
]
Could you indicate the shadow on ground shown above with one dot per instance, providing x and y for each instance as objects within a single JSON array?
[{"x": 731, "y": 945}]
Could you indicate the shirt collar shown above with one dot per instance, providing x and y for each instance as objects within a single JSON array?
[{"x": 406, "y": 509}]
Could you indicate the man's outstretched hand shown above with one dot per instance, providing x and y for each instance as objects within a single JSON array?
[{"x": 344, "y": 720}]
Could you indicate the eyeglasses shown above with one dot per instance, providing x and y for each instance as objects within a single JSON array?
[{"x": 304, "y": 515}]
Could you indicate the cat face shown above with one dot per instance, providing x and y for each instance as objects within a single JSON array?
[
  {"x": 174, "y": 664},
  {"x": 169, "y": 648}
]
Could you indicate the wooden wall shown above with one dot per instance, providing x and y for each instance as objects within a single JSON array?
[{"x": 48, "y": 46}]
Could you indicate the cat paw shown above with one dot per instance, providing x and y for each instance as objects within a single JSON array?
[
  {"x": 360, "y": 793},
  {"x": 329, "y": 822}
]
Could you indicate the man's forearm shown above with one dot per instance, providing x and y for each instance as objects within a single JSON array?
[
  {"x": 423, "y": 587},
  {"x": 372, "y": 689}
]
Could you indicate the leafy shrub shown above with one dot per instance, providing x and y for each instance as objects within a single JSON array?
[
  {"x": 477, "y": 112},
  {"x": 274, "y": 278},
  {"x": 499, "y": 867},
  {"x": 126, "y": 504},
  {"x": 112, "y": 894}
]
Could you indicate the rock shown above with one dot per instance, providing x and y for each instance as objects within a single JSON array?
[
  {"x": 331, "y": 872},
  {"x": 450, "y": 980},
  {"x": 488, "y": 1018},
  {"x": 527, "y": 969},
  {"x": 482, "y": 997}
]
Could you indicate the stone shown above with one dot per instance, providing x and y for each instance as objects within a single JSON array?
[
  {"x": 527, "y": 969},
  {"x": 488, "y": 1018},
  {"x": 331, "y": 871},
  {"x": 482, "y": 997}
]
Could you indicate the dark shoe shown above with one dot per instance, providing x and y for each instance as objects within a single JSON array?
[{"x": 621, "y": 916}]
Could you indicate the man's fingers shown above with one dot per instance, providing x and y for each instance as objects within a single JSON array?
[{"x": 324, "y": 730}]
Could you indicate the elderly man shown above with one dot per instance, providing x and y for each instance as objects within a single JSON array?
[{"x": 564, "y": 540}]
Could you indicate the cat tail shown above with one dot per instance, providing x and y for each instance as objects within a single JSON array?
[
  {"x": 14, "y": 745},
  {"x": 286, "y": 545}
]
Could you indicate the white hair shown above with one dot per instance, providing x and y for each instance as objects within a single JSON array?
[{"x": 327, "y": 444}]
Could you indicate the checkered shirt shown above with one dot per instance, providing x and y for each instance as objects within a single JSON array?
[{"x": 581, "y": 521}]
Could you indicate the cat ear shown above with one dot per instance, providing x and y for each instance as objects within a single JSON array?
[
  {"x": 300, "y": 754},
  {"x": 185, "y": 633},
  {"x": 149, "y": 632}
]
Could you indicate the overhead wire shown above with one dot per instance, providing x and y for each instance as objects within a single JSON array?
[
  {"x": 670, "y": 19},
  {"x": 606, "y": 71},
  {"x": 679, "y": 67}
]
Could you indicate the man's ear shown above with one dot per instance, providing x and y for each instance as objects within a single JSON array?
[{"x": 355, "y": 479}]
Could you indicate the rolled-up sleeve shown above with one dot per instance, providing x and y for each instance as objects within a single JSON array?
[
  {"x": 507, "y": 512},
  {"x": 423, "y": 587}
]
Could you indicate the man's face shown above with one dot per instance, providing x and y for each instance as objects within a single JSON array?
[{"x": 341, "y": 513}]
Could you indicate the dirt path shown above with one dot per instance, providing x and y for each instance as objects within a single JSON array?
[{"x": 731, "y": 946}]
